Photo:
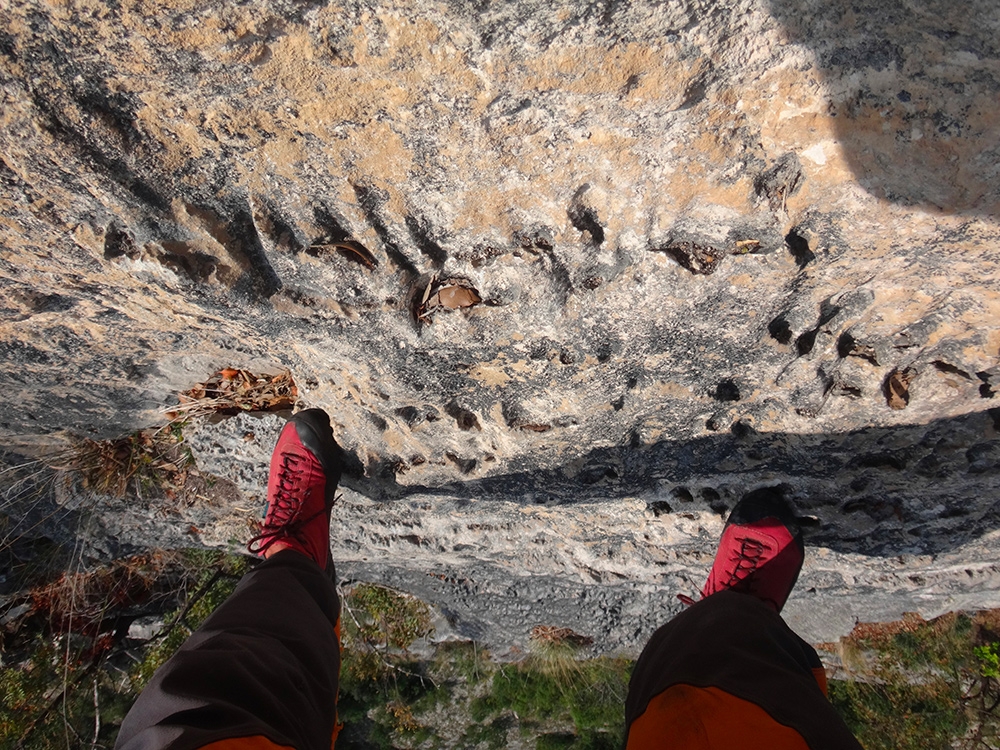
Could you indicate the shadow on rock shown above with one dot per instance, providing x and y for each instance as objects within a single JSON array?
[
  {"x": 913, "y": 90},
  {"x": 877, "y": 491}
]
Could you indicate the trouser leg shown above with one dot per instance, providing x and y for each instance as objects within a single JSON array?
[
  {"x": 265, "y": 664},
  {"x": 737, "y": 646}
]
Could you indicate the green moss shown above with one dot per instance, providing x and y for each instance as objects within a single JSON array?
[
  {"x": 918, "y": 689},
  {"x": 385, "y": 617},
  {"x": 590, "y": 694},
  {"x": 988, "y": 656},
  {"x": 556, "y": 741},
  {"x": 492, "y": 734}
]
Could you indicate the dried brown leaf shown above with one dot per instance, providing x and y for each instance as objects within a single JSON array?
[
  {"x": 897, "y": 388},
  {"x": 456, "y": 297}
]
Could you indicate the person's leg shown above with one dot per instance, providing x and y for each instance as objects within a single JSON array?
[
  {"x": 729, "y": 670},
  {"x": 265, "y": 664},
  {"x": 263, "y": 670}
]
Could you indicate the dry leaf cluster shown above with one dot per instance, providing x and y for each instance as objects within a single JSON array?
[
  {"x": 231, "y": 391},
  {"x": 559, "y": 636},
  {"x": 698, "y": 259}
]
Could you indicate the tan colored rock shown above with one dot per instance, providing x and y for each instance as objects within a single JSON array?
[{"x": 797, "y": 198}]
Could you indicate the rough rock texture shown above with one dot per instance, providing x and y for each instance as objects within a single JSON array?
[{"x": 717, "y": 246}]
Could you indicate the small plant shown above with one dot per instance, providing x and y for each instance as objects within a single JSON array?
[
  {"x": 989, "y": 659},
  {"x": 588, "y": 695},
  {"x": 380, "y": 683},
  {"x": 142, "y": 462},
  {"x": 387, "y": 619},
  {"x": 920, "y": 684}
]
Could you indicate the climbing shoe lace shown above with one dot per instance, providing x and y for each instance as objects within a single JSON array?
[
  {"x": 301, "y": 487},
  {"x": 760, "y": 552}
]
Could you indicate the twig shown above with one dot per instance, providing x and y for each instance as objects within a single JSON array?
[
  {"x": 189, "y": 604},
  {"x": 97, "y": 717}
]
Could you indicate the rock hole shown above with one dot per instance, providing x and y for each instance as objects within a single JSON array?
[
  {"x": 370, "y": 201},
  {"x": 727, "y": 390},
  {"x": 183, "y": 260},
  {"x": 683, "y": 494},
  {"x": 897, "y": 387},
  {"x": 720, "y": 507},
  {"x": 845, "y": 344},
  {"x": 410, "y": 414},
  {"x": 849, "y": 346},
  {"x": 540, "y": 238},
  {"x": 954, "y": 512},
  {"x": 333, "y": 226},
  {"x": 595, "y": 474},
  {"x": 378, "y": 421},
  {"x": 986, "y": 389},
  {"x": 465, "y": 465},
  {"x": 804, "y": 343},
  {"x": 659, "y": 508},
  {"x": 695, "y": 257},
  {"x": 465, "y": 419},
  {"x": 694, "y": 93},
  {"x": 118, "y": 242},
  {"x": 263, "y": 280},
  {"x": 951, "y": 369},
  {"x": 584, "y": 217},
  {"x": 780, "y": 330},
  {"x": 741, "y": 429},
  {"x": 798, "y": 246},
  {"x": 715, "y": 423},
  {"x": 539, "y": 350}
]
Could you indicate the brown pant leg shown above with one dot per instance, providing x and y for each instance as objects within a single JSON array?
[
  {"x": 265, "y": 664},
  {"x": 737, "y": 646}
]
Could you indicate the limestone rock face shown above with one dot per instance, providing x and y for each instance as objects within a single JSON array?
[{"x": 646, "y": 253}]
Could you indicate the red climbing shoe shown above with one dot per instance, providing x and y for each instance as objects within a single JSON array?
[
  {"x": 761, "y": 550},
  {"x": 305, "y": 470}
]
